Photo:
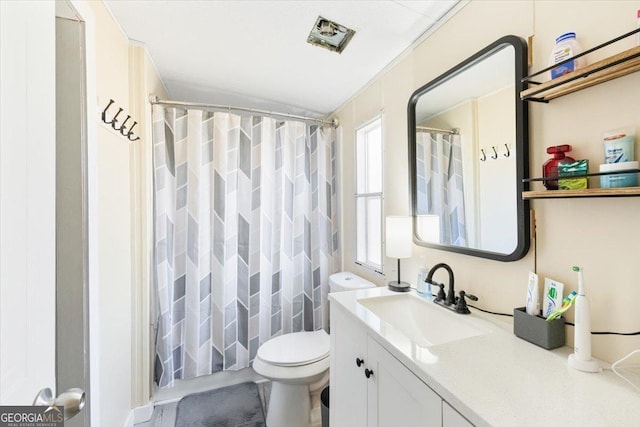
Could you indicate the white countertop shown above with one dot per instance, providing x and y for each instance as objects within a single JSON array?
[{"x": 499, "y": 379}]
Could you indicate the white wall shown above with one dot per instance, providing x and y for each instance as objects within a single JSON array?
[
  {"x": 124, "y": 73},
  {"x": 601, "y": 235}
]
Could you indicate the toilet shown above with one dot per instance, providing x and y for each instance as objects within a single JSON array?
[{"x": 295, "y": 361}]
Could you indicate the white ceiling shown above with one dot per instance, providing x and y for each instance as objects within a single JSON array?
[{"x": 254, "y": 53}]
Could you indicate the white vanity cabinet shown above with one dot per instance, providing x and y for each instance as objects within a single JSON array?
[
  {"x": 451, "y": 417},
  {"x": 391, "y": 395},
  {"x": 396, "y": 397},
  {"x": 348, "y": 392}
]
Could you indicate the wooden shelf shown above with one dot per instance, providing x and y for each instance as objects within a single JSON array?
[
  {"x": 589, "y": 192},
  {"x": 615, "y": 66},
  {"x": 610, "y": 68},
  {"x": 585, "y": 175}
]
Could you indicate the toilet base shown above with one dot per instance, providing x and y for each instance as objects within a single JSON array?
[{"x": 289, "y": 405}]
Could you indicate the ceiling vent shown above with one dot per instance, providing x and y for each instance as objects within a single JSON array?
[{"x": 330, "y": 35}]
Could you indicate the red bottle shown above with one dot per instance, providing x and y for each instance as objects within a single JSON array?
[{"x": 550, "y": 168}]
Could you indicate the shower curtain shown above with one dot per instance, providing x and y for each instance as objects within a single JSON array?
[
  {"x": 440, "y": 184},
  {"x": 245, "y": 236}
]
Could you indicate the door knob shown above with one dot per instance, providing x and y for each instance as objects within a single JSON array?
[
  {"x": 73, "y": 400},
  {"x": 368, "y": 372},
  {"x": 359, "y": 361}
]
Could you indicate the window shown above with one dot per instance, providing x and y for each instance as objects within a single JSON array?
[{"x": 369, "y": 195}]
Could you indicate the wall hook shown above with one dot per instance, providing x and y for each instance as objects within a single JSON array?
[
  {"x": 495, "y": 153},
  {"x": 130, "y": 133},
  {"x": 115, "y": 119},
  {"x": 508, "y": 153},
  {"x": 123, "y": 127},
  {"x": 104, "y": 112},
  {"x": 484, "y": 155}
]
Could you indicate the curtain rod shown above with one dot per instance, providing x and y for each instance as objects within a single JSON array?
[
  {"x": 154, "y": 100},
  {"x": 454, "y": 131}
]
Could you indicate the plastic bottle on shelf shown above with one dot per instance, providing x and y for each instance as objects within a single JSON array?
[
  {"x": 550, "y": 167},
  {"x": 566, "y": 47},
  {"x": 638, "y": 16}
]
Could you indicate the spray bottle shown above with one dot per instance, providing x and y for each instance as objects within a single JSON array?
[{"x": 581, "y": 357}]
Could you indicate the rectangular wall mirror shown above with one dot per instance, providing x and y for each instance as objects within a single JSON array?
[{"x": 468, "y": 154}]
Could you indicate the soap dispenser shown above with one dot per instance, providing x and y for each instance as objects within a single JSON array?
[{"x": 550, "y": 168}]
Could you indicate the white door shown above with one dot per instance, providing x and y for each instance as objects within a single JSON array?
[
  {"x": 27, "y": 200},
  {"x": 42, "y": 328}
]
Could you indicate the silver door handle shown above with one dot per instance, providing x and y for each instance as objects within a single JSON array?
[{"x": 72, "y": 400}]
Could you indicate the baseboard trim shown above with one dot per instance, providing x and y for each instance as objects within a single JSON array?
[
  {"x": 142, "y": 414},
  {"x": 129, "y": 421}
]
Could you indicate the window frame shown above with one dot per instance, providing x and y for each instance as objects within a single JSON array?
[{"x": 363, "y": 129}]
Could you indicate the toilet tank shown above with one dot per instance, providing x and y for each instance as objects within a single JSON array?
[{"x": 346, "y": 281}]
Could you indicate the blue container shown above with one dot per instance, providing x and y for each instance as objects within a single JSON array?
[{"x": 619, "y": 180}]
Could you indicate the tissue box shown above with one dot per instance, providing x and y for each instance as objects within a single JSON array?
[
  {"x": 579, "y": 167},
  {"x": 537, "y": 330}
]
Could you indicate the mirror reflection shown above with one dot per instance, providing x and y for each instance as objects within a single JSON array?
[{"x": 468, "y": 137}]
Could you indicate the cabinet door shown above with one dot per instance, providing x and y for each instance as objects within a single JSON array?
[
  {"x": 396, "y": 397},
  {"x": 451, "y": 417},
  {"x": 348, "y": 393}
]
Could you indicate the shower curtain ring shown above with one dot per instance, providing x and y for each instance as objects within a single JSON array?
[
  {"x": 507, "y": 154},
  {"x": 484, "y": 155},
  {"x": 495, "y": 153}
]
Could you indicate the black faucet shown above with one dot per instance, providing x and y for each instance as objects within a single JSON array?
[
  {"x": 461, "y": 305},
  {"x": 451, "y": 295}
]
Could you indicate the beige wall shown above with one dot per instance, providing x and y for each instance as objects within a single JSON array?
[
  {"x": 125, "y": 74},
  {"x": 114, "y": 225},
  {"x": 495, "y": 192},
  {"x": 601, "y": 235}
]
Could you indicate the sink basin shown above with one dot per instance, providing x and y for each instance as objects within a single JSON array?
[{"x": 420, "y": 320}]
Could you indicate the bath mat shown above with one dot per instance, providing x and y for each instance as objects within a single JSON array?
[{"x": 234, "y": 406}]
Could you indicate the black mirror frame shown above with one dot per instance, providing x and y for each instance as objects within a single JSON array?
[{"x": 522, "y": 153}]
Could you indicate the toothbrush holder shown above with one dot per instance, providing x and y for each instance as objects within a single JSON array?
[{"x": 537, "y": 330}]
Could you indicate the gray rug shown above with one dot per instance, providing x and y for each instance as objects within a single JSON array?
[{"x": 234, "y": 406}]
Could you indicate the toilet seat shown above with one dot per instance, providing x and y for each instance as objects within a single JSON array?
[{"x": 295, "y": 349}]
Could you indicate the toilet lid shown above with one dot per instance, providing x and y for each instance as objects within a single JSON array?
[{"x": 296, "y": 349}]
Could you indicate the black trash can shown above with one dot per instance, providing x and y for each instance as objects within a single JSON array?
[{"x": 324, "y": 406}]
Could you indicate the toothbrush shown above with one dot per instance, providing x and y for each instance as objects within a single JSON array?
[
  {"x": 581, "y": 358},
  {"x": 582, "y": 321},
  {"x": 567, "y": 302}
]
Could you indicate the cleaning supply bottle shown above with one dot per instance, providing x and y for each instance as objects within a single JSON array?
[
  {"x": 581, "y": 357},
  {"x": 638, "y": 15},
  {"x": 550, "y": 167},
  {"x": 566, "y": 47}
]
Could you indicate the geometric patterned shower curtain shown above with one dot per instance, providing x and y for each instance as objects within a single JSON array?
[
  {"x": 440, "y": 185},
  {"x": 245, "y": 236}
]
